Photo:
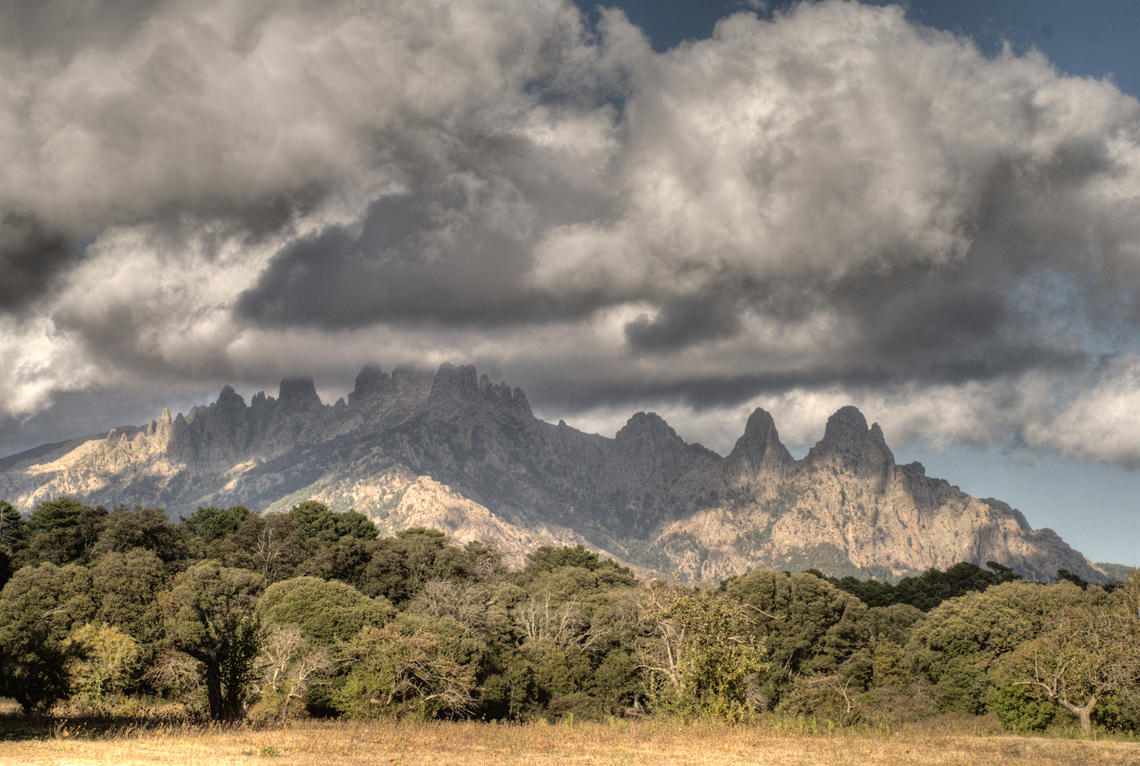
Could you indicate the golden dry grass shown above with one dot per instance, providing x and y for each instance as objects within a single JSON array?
[{"x": 653, "y": 742}]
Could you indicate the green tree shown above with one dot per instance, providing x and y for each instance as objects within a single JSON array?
[
  {"x": 402, "y": 564},
  {"x": 209, "y": 615},
  {"x": 313, "y": 521},
  {"x": 355, "y": 525},
  {"x": 1064, "y": 575},
  {"x": 327, "y": 612},
  {"x": 566, "y": 620},
  {"x": 146, "y": 528},
  {"x": 810, "y": 627},
  {"x": 933, "y": 586},
  {"x": 104, "y": 662},
  {"x": 346, "y": 560},
  {"x": 228, "y": 535},
  {"x": 210, "y": 524},
  {"x": 13, "y": 540},
  {"x": 124, "y": 589},
  {"x": 959, "y": 644},
  {"x": 927, "y": 590},
  {"x": 290, "y": 663},
  {"x": 549, "y": 558},
  {"x": 274, "y": 548},
  {"x": 39, "y": 607},
  {"x": 64, "y": 530},
  {"x": 416, "y": 666},
  {"x": 889, "y": 629},
  {"x": 704, "y": 654}
]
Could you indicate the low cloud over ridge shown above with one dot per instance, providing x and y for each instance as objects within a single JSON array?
[{"x": 830, "y": 205}]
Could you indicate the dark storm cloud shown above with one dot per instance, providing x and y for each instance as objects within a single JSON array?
[
  {"x": 769, "y": 221},
  {"x": 685, "y": 321},
  {"x": 455, "y": 248},
  {"x": 31, "y": 255},
  {"x": 699, "y": 390},
  {"x": 394, "y": 272}
]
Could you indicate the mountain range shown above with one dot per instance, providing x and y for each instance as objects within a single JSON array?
[{"x": 455, "y": 451}]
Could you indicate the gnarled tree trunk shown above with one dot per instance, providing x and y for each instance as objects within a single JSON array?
[{"x": 1082, "y": 712}]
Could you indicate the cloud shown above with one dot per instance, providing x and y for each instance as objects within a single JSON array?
[
  {"x": 62, "y": 27},
  {"x": 31, "y": 254},
  {"x": 1098, "y": 423},
  {"x": 827, "y": 206}
]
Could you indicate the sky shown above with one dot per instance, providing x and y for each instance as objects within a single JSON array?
[{"x": 929, "y": 210}]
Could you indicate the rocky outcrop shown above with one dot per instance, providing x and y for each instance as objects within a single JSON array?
[
  {"x": 453, "y": 449},
  {"x": 758, "y": 455},
  {"x": 848, "y": 445}
]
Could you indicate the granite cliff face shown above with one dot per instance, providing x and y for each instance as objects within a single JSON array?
[{"x": 455, "y": 451}]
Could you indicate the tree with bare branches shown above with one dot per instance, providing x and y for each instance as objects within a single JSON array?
[
  {"x": 290, "y": 663},
  {"x": 417, "y": 665},
  {"x": 704, "y": 652},
  {"x": 1088, "y": 653}
]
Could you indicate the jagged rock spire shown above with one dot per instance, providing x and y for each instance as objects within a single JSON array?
[
  {"x": 759, "y": 450},
  {"x": 229, "y": 399},
  {"x": 298, "y": 393},
  {"x": 371, "y": 382},
  {"x": 463, "y": 383},
  {"x": 848, "y": 441}
]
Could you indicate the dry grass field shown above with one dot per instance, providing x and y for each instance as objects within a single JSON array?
[{"x": 653, "y": 742}]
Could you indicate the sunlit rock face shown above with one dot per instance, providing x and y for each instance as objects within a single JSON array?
[{"x": 456, "y": 451}]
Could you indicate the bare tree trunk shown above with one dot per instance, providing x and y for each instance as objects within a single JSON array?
[{"x": 1082, "y": 712}]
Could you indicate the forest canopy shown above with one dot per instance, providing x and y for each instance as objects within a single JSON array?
[{"x": 233, "y": 614}]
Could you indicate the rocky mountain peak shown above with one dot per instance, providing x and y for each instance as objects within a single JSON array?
[
  {"x": 875, "y": 436},
  {"x": 454, "y": 381},
  {"x": 502, "y": 393},
  {"x": 852, "y": 445},
  {"x": 383, "y": 399},
  {"x": 759, "y": 450},
  {"x": 229, "y": 400},
  {"x": 647, "y": 427},
  {"x": 464, "y": 385},
  {"x": 298, "y": 394},
  {"x": 846, "y": 428},
  {"x": 371, "y": 382}
]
